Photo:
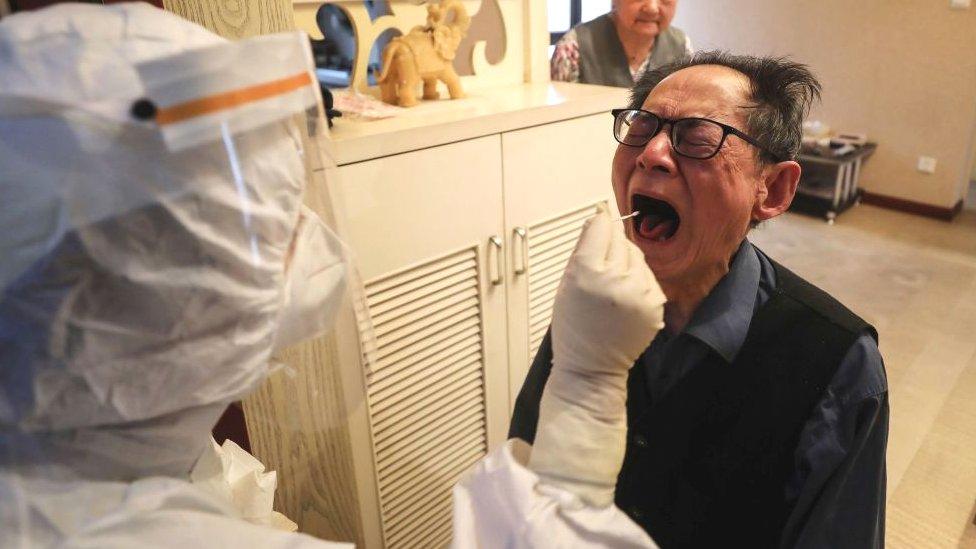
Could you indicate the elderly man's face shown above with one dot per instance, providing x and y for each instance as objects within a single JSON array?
[
  {"x": 647, "y": 17},
  {"x": 712, "y": 200}
]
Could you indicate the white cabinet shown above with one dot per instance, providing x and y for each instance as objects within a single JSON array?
[
  {"x": 460, "y": 217},
  {"x": 421, "y": 225}
]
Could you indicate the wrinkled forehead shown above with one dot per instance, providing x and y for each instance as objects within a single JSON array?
[{"x": 709, "y": 91}]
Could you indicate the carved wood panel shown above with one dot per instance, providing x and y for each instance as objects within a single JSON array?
[{"x": 503, "y": 21}]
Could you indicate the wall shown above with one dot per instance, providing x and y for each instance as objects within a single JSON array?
[
  {"x": 903, "y": 71},
  {"x": 972, "y": 176}
]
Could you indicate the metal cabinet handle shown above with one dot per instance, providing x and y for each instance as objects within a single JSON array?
[
  {"x": 495, "y": 263},
  {"x": 520, "y": 251}
]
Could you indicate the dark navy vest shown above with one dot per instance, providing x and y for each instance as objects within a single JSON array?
[{"x": 707, "y": 465}]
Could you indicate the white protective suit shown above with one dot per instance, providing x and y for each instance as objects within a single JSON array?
[{"x": 154, "y": 254}]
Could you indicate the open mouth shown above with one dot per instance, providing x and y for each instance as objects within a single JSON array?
[{"x": 658, "y": 221}]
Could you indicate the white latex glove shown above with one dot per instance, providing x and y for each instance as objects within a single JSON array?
[{"x": 608, "y": 309}]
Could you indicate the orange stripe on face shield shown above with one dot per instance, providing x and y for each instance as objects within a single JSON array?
[{"x": 231, "y": 99}]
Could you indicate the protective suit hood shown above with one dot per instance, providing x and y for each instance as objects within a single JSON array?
[{"x": 142, "y": 285}]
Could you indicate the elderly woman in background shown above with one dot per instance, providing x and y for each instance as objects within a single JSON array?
[{"x": 615, "y": 48}]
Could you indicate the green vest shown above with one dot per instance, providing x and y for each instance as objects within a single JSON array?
[{"x": 603, "y": 61}]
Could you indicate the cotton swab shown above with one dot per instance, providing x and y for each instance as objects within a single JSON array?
[{"x": 632, "y": 214}]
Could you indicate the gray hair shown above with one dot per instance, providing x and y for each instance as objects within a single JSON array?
[{"x": 782, "y": 92}]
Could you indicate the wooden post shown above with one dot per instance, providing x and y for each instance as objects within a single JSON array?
[
  {"x": 236, "y": 19},
  {"x": 536, "y": 30}
]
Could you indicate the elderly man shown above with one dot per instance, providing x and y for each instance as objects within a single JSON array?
[{"x": 758, "y": 416}]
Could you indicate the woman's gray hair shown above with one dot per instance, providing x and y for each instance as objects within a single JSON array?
[{"x": 782, "y": 92}]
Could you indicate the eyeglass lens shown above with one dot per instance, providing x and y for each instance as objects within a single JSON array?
[{"x": 689, "y": 137}]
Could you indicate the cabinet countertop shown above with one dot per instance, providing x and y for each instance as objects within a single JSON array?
[{"x": 485, "y": 111}]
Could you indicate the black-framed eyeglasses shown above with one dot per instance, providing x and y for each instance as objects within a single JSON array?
[{"x": 698, "y": 138}]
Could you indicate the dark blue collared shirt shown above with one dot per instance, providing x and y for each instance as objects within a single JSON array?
[{"x": 838, "y": 484}]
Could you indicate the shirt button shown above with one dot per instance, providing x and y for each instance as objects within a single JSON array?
[{"x": 640, "y": 441}]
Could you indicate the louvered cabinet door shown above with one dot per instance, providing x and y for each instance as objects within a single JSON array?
[
  {"x": 436, "y": 392},
  {"x": 555, "y": 175}
]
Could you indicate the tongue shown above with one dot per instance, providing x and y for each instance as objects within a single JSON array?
[{"x": 654, "y": 227}]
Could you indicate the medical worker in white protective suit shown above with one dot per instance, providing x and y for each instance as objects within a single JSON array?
[{"x": 155, "y": 253}]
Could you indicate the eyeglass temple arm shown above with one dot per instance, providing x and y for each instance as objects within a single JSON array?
[{"x": 751, "y": 141}]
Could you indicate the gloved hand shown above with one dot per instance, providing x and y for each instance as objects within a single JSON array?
[{"x": 608, "y": 309}]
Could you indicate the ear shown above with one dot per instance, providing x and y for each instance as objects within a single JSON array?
[{"x": 776, "y": 190}]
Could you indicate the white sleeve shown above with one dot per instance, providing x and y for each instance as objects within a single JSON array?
[
  {"x": 501, "y": 503},
  {"x": 150, "y": 513}
]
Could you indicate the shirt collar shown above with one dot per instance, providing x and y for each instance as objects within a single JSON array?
[{"x": 722, "y": 320}]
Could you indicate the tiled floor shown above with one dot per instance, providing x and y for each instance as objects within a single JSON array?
[{"x": 915, "y": 280}]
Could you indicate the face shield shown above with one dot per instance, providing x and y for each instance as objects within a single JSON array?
[{"x": 153, "y": 237}]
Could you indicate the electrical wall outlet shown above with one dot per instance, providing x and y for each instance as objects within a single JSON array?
[
  {"x": 959, "y": 4},
  {"x": 926, "y": 164}
]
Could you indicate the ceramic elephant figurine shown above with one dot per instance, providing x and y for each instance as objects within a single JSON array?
[{"x": 425, "y": 54}]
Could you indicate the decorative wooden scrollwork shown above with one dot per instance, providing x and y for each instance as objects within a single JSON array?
[{"x": 406, "y": 14}]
